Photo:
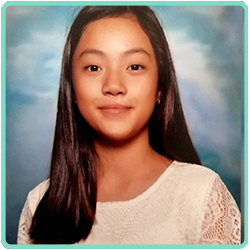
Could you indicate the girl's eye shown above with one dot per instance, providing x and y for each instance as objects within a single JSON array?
[
  {"x": 135, "y": 67},
  {"x": 93, "y": 68}
]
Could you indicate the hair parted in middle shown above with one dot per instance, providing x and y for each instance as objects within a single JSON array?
[{"x": 66, "y": 213}]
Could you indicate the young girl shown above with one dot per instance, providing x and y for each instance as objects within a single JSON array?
[{"x": 117, "y": 171}]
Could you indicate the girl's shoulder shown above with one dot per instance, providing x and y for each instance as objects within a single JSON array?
[
  {"x": 192, "y": 167},
  {"x": 202, "y": 199},
  {"x": 36, "y": 194},
  {"x": 192, "y": 172},
  {"x": 189, "y": 179}
]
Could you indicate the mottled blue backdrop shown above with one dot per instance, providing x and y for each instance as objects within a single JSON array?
[{"x": 207, "y": 47}]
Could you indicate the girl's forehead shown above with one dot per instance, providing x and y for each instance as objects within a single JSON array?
[
  {"x": 114, "y": 37},
  {"x": 125, "y": 16},
  {"x": 113, "y": 23},
  {"x": 117, "y": 28}
]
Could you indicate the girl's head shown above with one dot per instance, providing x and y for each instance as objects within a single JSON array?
[
  {"x": 137, "y": 29},
  {"x": 115, "y": 78}
]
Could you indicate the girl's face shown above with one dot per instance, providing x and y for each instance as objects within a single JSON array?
[{"x": 115, "y": 78}]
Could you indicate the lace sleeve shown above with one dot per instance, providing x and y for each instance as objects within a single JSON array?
[
  {"x": 24, "y": 225},
  {"x": 221, "y": 224}
]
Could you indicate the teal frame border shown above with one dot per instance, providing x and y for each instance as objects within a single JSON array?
[{"x": 3, "y": 119}]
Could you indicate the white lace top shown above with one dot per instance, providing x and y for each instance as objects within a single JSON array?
[{"x": 188, "y": 204}]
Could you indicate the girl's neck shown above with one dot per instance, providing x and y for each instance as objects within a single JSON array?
[
  {"x": 127, "y": 169},
  {"x": 116, "y": 156},
  {"x": 132, "y": 156}
]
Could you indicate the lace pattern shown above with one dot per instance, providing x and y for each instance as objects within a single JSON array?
[{"x": 221, "y": 224}]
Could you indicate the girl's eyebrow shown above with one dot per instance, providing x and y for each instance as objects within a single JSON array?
[
  {"x": 92, "y": 51},
  {"x": 136, "y": 50},
  {"x": 124, "y": 54}
]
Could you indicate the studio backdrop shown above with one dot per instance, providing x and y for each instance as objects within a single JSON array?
[{"x": 207, "y": 44}]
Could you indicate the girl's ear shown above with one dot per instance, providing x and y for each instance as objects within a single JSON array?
[{"x": 158, "y": 98}]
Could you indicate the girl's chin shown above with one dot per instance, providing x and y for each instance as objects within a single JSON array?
[
  {"x": 120, "y": 134},
  {"x": 115, "y": 139}
]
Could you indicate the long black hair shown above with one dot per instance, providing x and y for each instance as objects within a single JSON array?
[{"x": 66, "y": 212}]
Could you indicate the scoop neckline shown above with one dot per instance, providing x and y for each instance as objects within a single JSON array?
[{"x": 144, "y": 194}]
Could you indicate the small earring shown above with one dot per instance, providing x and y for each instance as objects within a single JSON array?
[{"x": 159, "y": 101}]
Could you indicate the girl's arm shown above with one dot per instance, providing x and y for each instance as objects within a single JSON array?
[{"x": 221, "y": 224}]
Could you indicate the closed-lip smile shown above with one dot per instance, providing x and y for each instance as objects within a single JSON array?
[{"x": 115, "y": 108}]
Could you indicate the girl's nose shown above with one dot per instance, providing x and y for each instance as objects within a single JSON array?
[{"x": 114, "y": 84}]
